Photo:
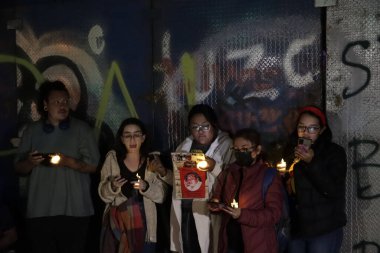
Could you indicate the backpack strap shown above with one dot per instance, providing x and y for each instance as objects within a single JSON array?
[{"x": 268, "y": 179}]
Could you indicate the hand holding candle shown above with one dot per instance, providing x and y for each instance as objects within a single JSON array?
[
  {"x": 234, "y": 204},
  {"x": 140, "y": 184},
  {"x": 136, "y": 184},
  {"x": 281, "y": 166},
  {"x": 202, "y": 165},
  {"x": 233, "y": 210},
  {"x": 55, "y": 158}
]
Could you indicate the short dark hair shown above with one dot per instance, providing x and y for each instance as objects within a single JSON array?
[
  {"x": 207, "y": 111},
  {"x": 119, "y": 147},
  {"x": 249, "y": 134},
  {"x": 44, "y": 92}
]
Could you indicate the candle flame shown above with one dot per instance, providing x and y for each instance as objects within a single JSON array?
[
  {"x": 202, "y": 165},
  {"x": 55, "y": 159},
  {"x": 234, "y": 204},
  {"x": 282, "y": 165}
]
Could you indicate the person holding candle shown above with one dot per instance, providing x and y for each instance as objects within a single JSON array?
[
  {"x": 248, "y": 221},
  {"x": 130, "y": 188},
  {"x": 318, "y": 185},
  {"x": 59, "y": 204},
  {"x": 191, "y": 224}
]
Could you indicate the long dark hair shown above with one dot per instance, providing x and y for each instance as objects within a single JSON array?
[{"x": 120, "y": 148}]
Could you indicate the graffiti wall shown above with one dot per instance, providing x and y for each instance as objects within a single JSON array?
[
  {"x": 353, "y": 74},
  {"x": 254, "y": 61},
  {"x": 102, "y": 55}
]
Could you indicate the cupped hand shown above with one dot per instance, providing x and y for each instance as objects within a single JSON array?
[
  {"x": 118, "y": 182},
  {"x": 35, "y": 158},
  {"x": 155, "y": 165},
  {"x": 214, "y": 205},
  {"x": 234, "y": 212},
  {"x": 211, "y": 163},
  {"x": 140, "y": 184}
]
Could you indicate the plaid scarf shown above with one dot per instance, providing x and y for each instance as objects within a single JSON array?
[{"x": 123, "y": 229}]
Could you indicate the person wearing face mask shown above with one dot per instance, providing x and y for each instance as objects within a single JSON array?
[
  {"x": 317, "y": 185},
  {"x": 248, "y": 221}
]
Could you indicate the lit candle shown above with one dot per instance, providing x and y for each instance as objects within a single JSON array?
[
  {"x": 281, "y": 166},
  {"x": 137, "y": 184},
  {"x": 202, "y": 165},
  {"x": 234, "y": 204},
  {"x": 55, "y": 159}
]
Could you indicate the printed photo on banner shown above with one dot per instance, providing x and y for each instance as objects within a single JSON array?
[{"x": 190, "y": 182}]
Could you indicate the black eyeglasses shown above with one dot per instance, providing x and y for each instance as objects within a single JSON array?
[
  {"x": 134, "y": 136},
  {"x": 249, "y": 149},
  {"x": 197, "y": 128},
  {"x": 309, "y": 129}
]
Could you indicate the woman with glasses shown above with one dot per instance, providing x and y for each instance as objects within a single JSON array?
[
  {"x": 317, "y": 185},
  {"x": 248, "y": 221},
  {"x": 130, "y": 191},
  {"x": 191, "y": 223}
]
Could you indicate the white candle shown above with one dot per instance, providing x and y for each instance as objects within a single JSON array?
[
  {"x": 202, "y": 165},
  {"x": 234, "y": 204},
  {"x": 138, "y": 180},
  {"x": 282, "y": 165},
  {"x": 55, "y": 159}
]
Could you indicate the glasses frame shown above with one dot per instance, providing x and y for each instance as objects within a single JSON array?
[
  {"x": 197, "y": 128},
  {"x": 309, "y": 129},
  {"x": 249, "y": 149},
  {"x": 133, "y": 135}
]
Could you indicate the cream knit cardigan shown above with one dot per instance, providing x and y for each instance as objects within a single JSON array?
[{"x": 154, "y": 194}]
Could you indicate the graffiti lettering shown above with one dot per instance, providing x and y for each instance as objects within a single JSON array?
[
  {"x": 114, "y": 72},
  {"x": 364, "y": 44},
  {"x": 359, "y": 163},
  {"x": 362, "y": 246},
  {"x": 296, "y": 80}
]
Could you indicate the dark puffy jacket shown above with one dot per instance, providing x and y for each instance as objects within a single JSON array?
[{"x": 320, "y": 190}]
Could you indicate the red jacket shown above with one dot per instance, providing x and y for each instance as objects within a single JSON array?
[{"x": 257, "y": 220}]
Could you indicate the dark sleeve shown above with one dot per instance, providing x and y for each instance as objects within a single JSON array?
[
  {"x": 327, "y": 172},
  {"x": 6, "y": 221}
]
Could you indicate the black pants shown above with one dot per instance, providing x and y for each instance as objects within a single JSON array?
[
  {"x": 57, "y": 234},
  {"x": 189, "y": 231}
]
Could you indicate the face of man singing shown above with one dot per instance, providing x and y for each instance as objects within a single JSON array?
[{"x": 57, "y": 106}]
